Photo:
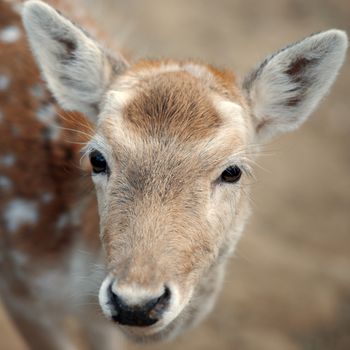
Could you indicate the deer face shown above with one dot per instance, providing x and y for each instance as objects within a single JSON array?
[
  {"x": 169, "y": 164},
  {"x": 170, "y": 159}
]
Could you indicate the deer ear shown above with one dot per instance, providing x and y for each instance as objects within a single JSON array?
[
  {"x": 76, "y": 69},
  {"x": 287, "y": 86}
]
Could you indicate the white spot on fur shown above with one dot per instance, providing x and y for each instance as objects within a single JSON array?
[
  {"x": 19, "y": 212},
  {"x": 7, "y": 160},
  {"x": 47, "y": 115},
  {"x": 5, "y": 183},
  {"x": 4, "y": 82},
  {"x": 19, "y": 258},
  {"x": 10, "y": 34},
  {"x": 37, "y": 91},
  {"x": 46, "y": 197},
  {"x": 16, "y": 131},
  {"x": 62, "y": 221}
]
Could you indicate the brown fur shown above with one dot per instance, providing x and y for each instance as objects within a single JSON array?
[
  {"x": 164, "y": 107},
  {"x": 55, "y": 162},
  {"x": 168, "y": 217},
  {"x": 45, "y": 171}
]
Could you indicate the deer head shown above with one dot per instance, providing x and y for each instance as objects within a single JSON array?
[{"x": 171, "y": 158}]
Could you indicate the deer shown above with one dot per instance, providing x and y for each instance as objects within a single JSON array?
[{"x": 170, "y": 146}]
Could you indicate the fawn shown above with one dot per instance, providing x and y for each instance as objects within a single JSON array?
[{"x": 170, "y": 151}]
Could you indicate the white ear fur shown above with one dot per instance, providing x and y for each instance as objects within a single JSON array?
[
  {"x": 75, "y": 67},
  {"x": 287, "y": 86}
]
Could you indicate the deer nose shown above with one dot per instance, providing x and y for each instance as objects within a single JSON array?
[{"x": 142, "y": 314}]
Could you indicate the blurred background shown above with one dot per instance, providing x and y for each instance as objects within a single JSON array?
[{"x": 288, "y": 285}]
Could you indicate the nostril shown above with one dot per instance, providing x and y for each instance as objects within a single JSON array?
[
  {"x": 143, "y": 315},
  {"x": 160, "y": 304}
]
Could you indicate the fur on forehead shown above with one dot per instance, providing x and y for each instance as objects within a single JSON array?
[
  {"x": 220, "y": 81},
  {"x": 185, "y": 101}
]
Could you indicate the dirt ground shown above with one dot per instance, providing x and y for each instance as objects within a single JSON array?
[{"x": 288, "y": 285}]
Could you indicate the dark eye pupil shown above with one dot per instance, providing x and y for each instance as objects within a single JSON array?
[
  {"x": 231, "y": 174},
  {"x": 98, "y": 162}
]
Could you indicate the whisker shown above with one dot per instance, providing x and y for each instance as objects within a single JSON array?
[
  {"x": 72, "y": 118},
  {"x": 76, "y": 131}
]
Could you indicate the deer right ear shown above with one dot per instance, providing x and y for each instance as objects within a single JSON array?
[
  {"x": 77, "y": 70},
  {"x": 285, "y": 89}
]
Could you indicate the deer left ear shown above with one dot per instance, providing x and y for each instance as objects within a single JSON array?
[
  {"x": 285, "y": 89},
  {"x": 77, "y": 70}
]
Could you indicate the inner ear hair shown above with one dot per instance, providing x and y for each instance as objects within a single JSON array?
[
  {"x": 287, "y": 86},
  {"x": 77, "y": 69}
]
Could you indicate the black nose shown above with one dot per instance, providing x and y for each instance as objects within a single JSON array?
[{"x": 138, "y": 315}]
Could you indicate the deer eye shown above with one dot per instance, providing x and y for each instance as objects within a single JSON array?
[
  {"x": 98, "y": 162},
  {"x": 231, "y": 174}
]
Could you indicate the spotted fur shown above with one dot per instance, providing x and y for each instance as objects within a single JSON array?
[{"x": 167, "y": 130}]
